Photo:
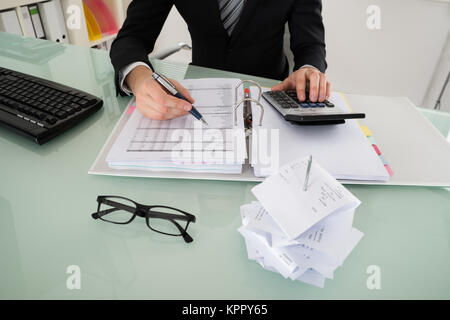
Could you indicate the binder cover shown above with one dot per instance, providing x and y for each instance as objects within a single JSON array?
[
  {"x": 103, "y": 16},
  {"x": 418, "y": 153},
  {"x": 37, "y": 22},
  {"x": 29, "y": 30},
  {"x": 53, "y": 21},
  {"x": 92, "y": 25},
  {"x": 9, "y": 22}
]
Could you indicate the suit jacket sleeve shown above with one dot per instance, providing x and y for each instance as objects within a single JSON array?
[
  {"x": 308, "y": 34},
  {"x": 136, "y": 39}
]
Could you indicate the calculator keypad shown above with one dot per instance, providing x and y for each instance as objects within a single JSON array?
[
  {"x": 307, "y": 112},
  {"x": 288, "y": 100}
]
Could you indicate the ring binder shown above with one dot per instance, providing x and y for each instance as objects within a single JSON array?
[{"x": 237, "y": 104}]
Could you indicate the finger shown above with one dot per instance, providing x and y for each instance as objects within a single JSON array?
[
  {"x": 155, "y": 114},
  {"x": 170, "y": 101},
  {"x": 301, "y": 86},
  {"x": 145, "y": 107},
  {"x": 158, "y": 112},
  {"x": 328, "y": 90},
  {"x": 174, "y": 113},
  {"x": 153, "y": 102},
  {"x": 152, "y": 106},
  {"x": 287, "y": 84},
  {"x": 314, "y": 80},
  {"x": 322, "y": 87},
  {"x": 160, "y": 99},
  {"x": 183, "y": 91}
]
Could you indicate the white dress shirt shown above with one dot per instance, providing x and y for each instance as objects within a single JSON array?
[{"x": 126, "y": 70}]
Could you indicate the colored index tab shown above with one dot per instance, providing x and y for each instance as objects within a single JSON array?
[
  {"x": 366, "y": 131},
  {"x": 389, "y": 170},
  {"x": 131, "y": 109},
  {"x": 376, "y": 149}
]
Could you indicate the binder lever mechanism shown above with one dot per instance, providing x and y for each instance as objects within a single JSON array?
[{"x": 257, "y": 101}]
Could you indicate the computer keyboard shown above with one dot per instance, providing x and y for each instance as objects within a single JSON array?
[
  {"x": 41, "y": 109},
  {"x": 307, "y": 112}
]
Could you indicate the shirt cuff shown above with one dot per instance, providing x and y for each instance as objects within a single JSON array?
[
  {"x": 308, "y": 65},
  {"x": 125, "y": 71}
]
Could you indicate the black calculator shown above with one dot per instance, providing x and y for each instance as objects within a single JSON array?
[{"x": 307, "y": 112}]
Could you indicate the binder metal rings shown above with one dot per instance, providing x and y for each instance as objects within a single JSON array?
[{"x": 237, "y": 104}]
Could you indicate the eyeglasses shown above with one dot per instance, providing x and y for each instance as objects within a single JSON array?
[{"x": 162, "y": 219}]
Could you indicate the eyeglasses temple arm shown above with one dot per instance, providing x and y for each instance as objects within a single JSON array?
[
  {"x": 187, "y": 238},
  {"x": 164, "y": 215},
  {"x": 115, "y": 205}
]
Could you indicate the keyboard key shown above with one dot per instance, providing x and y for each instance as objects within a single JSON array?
[
  {"x": 34, "y": 112},
  {"x": 12, "y": 78},
  {"x": 76, "y": 107},
  {"x": 53, "y": 111},
  {"x": 69, "y": 110},
  {"x": 51, "y": 120},
  {"x": 61, "y": 114},
  {"x": 41, "y": 116}
]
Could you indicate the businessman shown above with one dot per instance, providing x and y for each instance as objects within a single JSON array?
[{"x": 244, "y": 36}]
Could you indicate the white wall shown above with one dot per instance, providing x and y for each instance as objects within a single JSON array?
[
  {"x": 397, "y": 60},
  {"x": 405, "y": 57},
  {"x": 440, "y": 74}
]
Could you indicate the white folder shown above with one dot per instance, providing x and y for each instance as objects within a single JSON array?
[
  {"x": 36, "y": 19},
  {"x": 28, "y": 24},
  {"x": 53, "y": 21},
  {"x": 417, "y": 152},
  {"x": 9, "y": 22}
]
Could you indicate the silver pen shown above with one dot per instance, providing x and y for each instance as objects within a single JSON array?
[
  {"x": 308, "y": 173},
  {"x": 166, "y": 84}
]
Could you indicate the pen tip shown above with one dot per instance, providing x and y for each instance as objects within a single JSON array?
[{"x": 204, "y": 122}]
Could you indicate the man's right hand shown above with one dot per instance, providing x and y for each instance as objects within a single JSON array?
[{"x": 152, "y": 100}]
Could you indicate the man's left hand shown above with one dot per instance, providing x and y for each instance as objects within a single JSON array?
[{"x": 316, "y": 81}]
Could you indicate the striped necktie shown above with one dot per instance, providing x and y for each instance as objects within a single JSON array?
[{"x": 230, "y": 11}]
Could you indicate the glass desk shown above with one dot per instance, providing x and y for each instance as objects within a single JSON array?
[{"x": 46, "y": 198}]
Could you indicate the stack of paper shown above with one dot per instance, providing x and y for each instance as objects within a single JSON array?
[
  {"x": 303, "y": 235},
  {"x": 183, "y": 144}
]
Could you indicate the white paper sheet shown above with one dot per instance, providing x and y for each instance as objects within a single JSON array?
[
  {"x": 296, "y": 210},
  {"x": 327, "y": 236}
]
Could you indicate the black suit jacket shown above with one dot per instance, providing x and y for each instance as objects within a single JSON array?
[{"x": 255, "y": 46}]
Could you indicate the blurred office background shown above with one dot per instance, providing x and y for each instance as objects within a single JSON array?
[{"x": 409, "y": 55}]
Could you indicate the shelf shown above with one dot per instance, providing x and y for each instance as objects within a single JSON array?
[
  {"x": 11, "y": 4},
  {"x": 76, "y": 36}
]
